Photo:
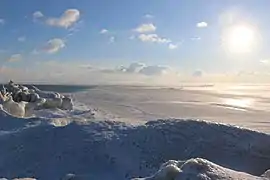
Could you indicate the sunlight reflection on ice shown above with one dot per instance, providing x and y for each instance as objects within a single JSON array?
[{"x": 239, "y": 103}]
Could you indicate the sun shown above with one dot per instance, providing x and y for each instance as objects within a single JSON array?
[{"x": 240, "y": 39}]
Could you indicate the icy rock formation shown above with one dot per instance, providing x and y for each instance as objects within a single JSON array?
[
  {"x": 52, "y": 103},
  {"x": 67, "y": 103},
  {"x": 266, "y": 174},
  {"x": 20, "y": 101},
  {"x": 54, "y": 99},
  {"x": 14, "y": 108},
  {"x": 25, "y": 96},
  {"x": 46, "y": 94}
]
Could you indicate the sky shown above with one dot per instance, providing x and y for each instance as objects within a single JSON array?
[{"x": 124, "y": 41}]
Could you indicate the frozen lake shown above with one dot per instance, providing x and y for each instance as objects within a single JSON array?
[{"x": 242, "y": 105}]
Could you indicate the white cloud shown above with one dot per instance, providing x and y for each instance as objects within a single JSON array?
[
  {"x": 112, "y": 39},
  {"x": 148, "y": 16},
  {"x": 22, "y": 39},
  {"x": 53, "y": 46},
  {"x": 146, "y": 28},
  {"x": 37, "y": 15},
  {"x": 103, "y": 31},
  {"x": 15, "y": 58},
  {"x": 69, "y": 18},
  {"x": 173, "y": 46},
  {"x": 202, "y": 24},
  {"x": 153, "y": 38},
  {"x": 2, "y": 21}
]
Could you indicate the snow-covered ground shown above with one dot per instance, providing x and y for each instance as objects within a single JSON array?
[
  {"x": 115, "y": 151},
  {"x": 198, "y": 169},
  {"x": 106, "y": 137}
]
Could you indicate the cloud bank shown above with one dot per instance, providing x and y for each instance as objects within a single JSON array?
[
  {"x": 143, "y": 69},
  {"x": 80, "y": 73},
  {"x": 58, "y": 72}
]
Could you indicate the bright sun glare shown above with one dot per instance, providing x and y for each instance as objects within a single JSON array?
[{"x": 240, "y": 39}]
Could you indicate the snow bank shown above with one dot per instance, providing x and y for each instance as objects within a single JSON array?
[
  {"x": 108, "y": 150},
  {"x": 10, "y": 123},
  {"x": 197, "y": 169}
]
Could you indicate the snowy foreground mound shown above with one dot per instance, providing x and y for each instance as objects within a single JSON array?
[
  {"x": 107, "y": 150},
  {"x": 198, "y": 169}
]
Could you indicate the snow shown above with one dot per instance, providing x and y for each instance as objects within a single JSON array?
[
  {"x": 197, "y": 169},
  {"x": 92, "y": 142},
  {"x": 117, "y": 151},
  {"x": 20, "y": 101},
  {"x": 266, "y": 174}
]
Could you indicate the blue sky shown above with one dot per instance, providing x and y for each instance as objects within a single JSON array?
[{"x": 182, "y": 36}]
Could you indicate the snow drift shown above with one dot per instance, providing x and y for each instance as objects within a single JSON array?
[
  {"x": 108, "y": 150},
  {"x": 197, "y": 169}
]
